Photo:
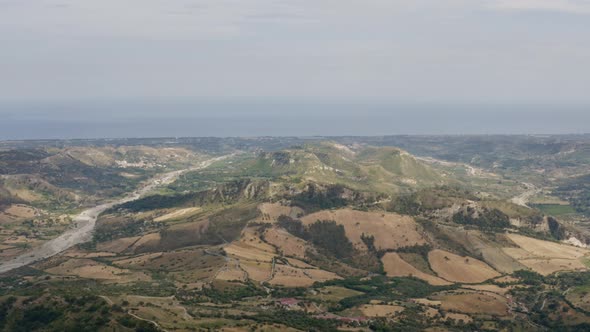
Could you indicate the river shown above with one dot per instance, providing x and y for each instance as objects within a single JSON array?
[{"x": 85, "y": 222}]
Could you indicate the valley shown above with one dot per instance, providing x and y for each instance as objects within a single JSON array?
[
  {"x": 83, "y": 224},
  {"x": 295, "y": 234}
]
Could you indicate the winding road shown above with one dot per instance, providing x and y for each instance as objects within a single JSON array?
[{"x": 85, "y": 222}]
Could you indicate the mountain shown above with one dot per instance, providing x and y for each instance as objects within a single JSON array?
[
  {"x": 322, "y": 235},
  {"x": 385, "y": 170}
]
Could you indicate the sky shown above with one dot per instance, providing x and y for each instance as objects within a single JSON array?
[{"x": 265, "y": 56}]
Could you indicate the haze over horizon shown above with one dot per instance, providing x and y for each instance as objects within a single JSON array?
[{"x": 249, "y": 118}]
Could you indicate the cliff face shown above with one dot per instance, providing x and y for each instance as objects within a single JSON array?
[{"x": 240, "y": 189}]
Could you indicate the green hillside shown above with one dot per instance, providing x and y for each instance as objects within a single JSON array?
[{"x": 386, "y": 170}]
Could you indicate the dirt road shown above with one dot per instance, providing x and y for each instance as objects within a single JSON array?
[{"x": 523, "y": 199}]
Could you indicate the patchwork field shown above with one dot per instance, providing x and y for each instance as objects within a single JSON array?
[
  {"x": 540, "y": 248},
  {"x": 548, "y": 266},
  {"x": 167, "y": 311},
  {"x": 395, "y": 266},
  {"x": 178, "y": 214},
  {"x": 488, "y": 288},
  {"x": 474, "y": 303},
  {"x": 272, "y": 211},
  {"x": 297, "y": 263},
  {"x": 295, "y": 277},
  {"x": 118, "y": 245},
  {"x": 432, "y": 310},
  {"x": 83, "y": 254},
  {"x": 23, "y": 227},
  {"x": 232, "y": 272},
  {"x": 251, "y": 247},
  {"x": 137, "y": 261},
  {"x": 460, "y": 269},
  {"x": 286, "y": 243},
  {"x": 180, "y": 260},
  {"x": 334, "y": 293},
  {"x": 491, "y": 251},
  {"x": 257, "y": 271},
  {"x": 381, "y": 310},
  {"x": 546, "y": 257},
  {"x": 90, "y": 269},
  {"x": 21, "y": 211},
  {"x": 458, "y": 317},
  {"x": 500, "y": 261},
  {"x": 202, "y": 249},
  {"x": 146, "y": 243},
  {"x": 391, "y": 231},
  {"x": 252, "y": 258},
  {"x": 25, "y": 194}
]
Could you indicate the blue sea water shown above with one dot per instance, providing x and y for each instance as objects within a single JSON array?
[{"x": 116, "y": 119}]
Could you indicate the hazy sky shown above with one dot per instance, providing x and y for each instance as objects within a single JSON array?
[
  {"x": 414, "y": 50},
  {"x": 480, "y": 52}
]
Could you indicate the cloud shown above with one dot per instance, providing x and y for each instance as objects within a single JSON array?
[
  {"x": 564, "y": 6},
  {"x": 135, "y": 19},
  {"x": 391, "y": 49},
  {"x": 200, "y": 19}
]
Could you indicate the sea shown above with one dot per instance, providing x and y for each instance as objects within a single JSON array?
[{"x": 249, "y": 118}]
